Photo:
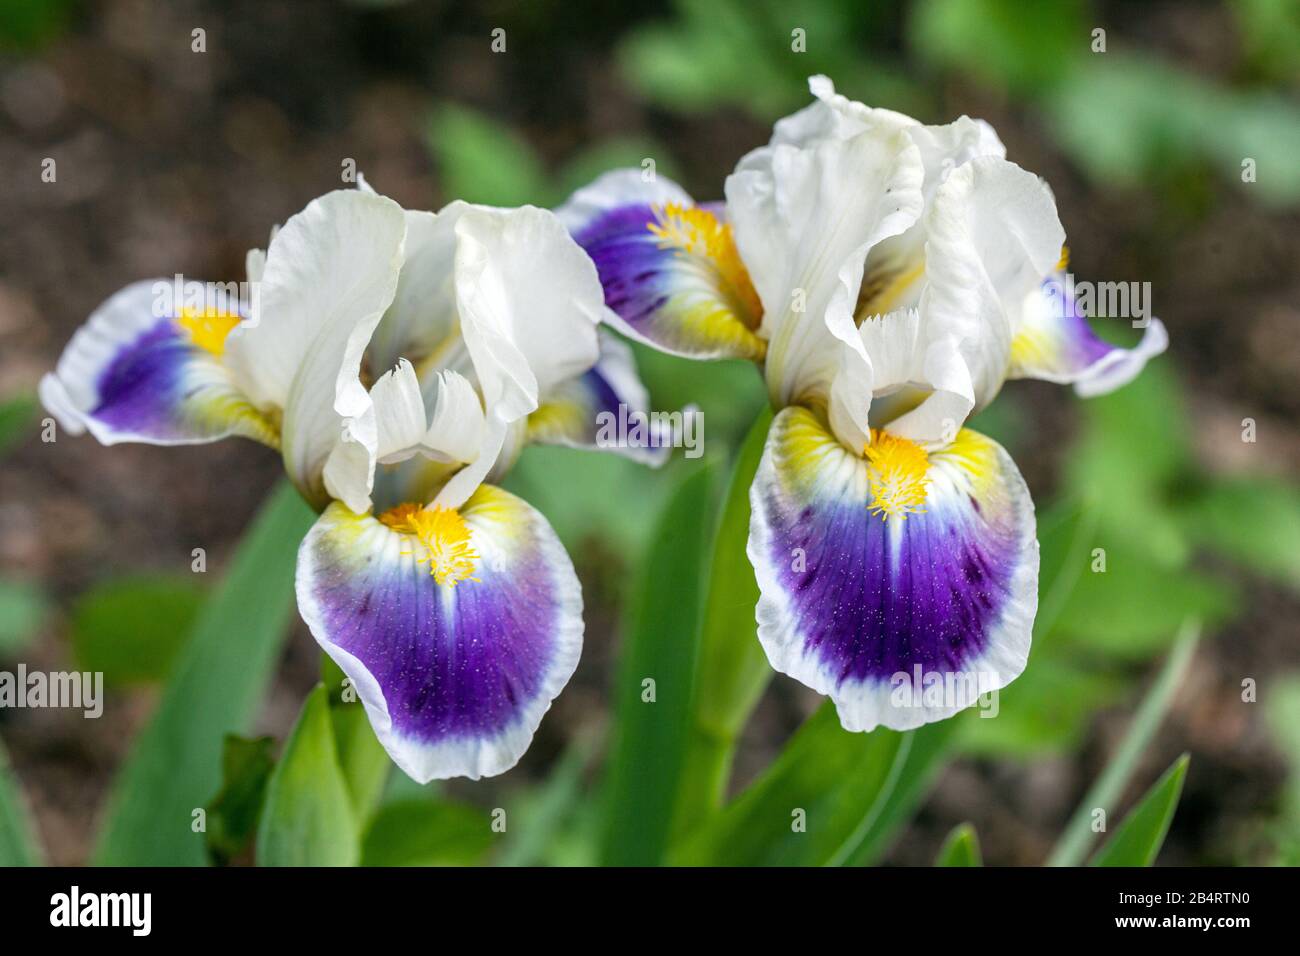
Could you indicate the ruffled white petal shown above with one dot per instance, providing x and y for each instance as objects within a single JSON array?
[
  {"x": 992, "y": 236},
  {"x": 331, "y": 272},
  {"x": 805, "y": 218},
  {"x": 529, "y": 303}
]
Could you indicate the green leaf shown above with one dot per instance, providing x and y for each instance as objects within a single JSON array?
[
  {"x": 133, "y": 628},
  {"x": 23, "y": 608},
  {"x": 18, "y": 845},
  {"x": 733, "y": 670},
  {"x": 365, "y": 763},
  {"x": 308, "y": 818},
  {"x": 481, "y": 160},
  {"x": 1077, "y": 836},
  {"x": 545, "y": 809},
  {"x": 658, "y": 662},
  {"x": 427, "y": 833},
  {"x": 961, "y": 848},
  {"x": 17, "y": 415},
  {"x": 1254, "y": 521},
  {"x": 216, "y": 684},
  {"x": 234, "y": 813},
  {"x": 1140, "y": 836},
  {"x": 808, "y": 806},
  {"x": 912, "y": 778}
]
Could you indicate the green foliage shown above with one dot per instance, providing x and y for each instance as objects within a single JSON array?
[
  {"x": 1253, "y": 521},
  {"x": 27, "y": 25},
  {"x": 483, "y": 161},
  {"x": 806, "y": 806},
  {"x": 17, "y": 415},
  {"x": 234, "y": 813},
  {"x": 1270, "y": 35},
  {"x": 308, "y": 819},
  {"x": 23, "y": 608},
  {"x": 427, "y": 833},
  {"x": 1021, "y": 46},
  {"x": 653, "y": 693},
  {"x": 366, "y": 765},
  {"x": 542, "y": 823},
  {"x": 1131, "y": 120},
  {"x": 18, "y": 845},
  {"x": 1282, "y": 710},
  {"x": 830, "y": 798},
  {"x": 1133, "y": 609},
  {"x": 1139, "y": 837},
  {"x": 912, "y": 777},
  {"x": 362, "y": 758},
  {"x": 1077, "y": 837},
  {"x": 734, "y": 53},
  {"x": 132, "y": 628},
  {"x": 960, "y": 848},
  {"x": 1132, "y": 451},
  {"x": 214, "y": 688},
  {"x": 733, "y": 669}
]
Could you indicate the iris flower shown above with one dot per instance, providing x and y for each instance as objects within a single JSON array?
[
  {"x": 889, "y": 277},
  {"x": 449, "y": 602}
]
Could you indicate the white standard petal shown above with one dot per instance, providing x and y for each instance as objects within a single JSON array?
[
  {"x": 529, "y": 303},
  {"x": 805, "y": 220},
  {"x": 992, "y": 236},
  {"x": 421, "y": 323},
  {"x": 330, "y": 273}
]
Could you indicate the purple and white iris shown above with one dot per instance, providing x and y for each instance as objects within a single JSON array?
[
  {"x": 890, "y": 277},
  {"x": 449, "y": 602}
]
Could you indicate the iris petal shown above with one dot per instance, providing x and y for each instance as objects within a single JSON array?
[
  {"x": 870, "y": 610},
  {"x": 455, "y": 676},
  {"x": 671, "y": 273},
  {"x": 133, "y": 374},
  {"x": 1056, "y": 343},
  {"x": 610, "y": 391}
]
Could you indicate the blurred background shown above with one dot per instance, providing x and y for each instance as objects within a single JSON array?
[{"x": 1173, "y": 156}]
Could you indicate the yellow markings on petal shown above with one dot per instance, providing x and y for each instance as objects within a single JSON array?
[
  {"x": 975, "y": 456},
  {"x": 698, "y": 233},
  {"x": 882, "y": 289},
  {"x": 1064, "y": 262},
  {"x": 208, "y": 327},
  {"x": 897, "y": 475},
  {"x": 1032, "y": 348},
  {"x": 445, "y": 536}
]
